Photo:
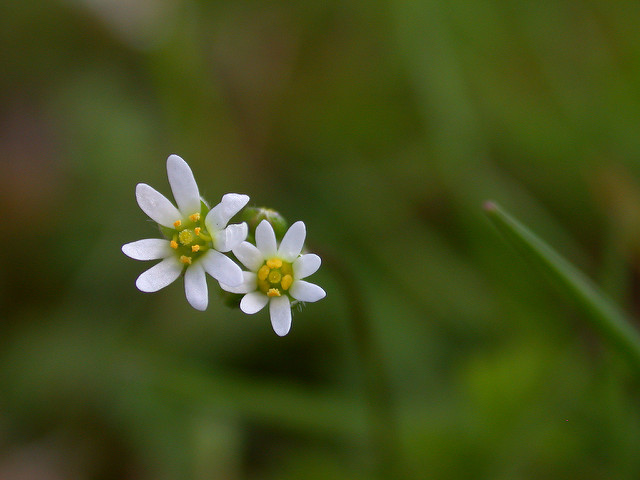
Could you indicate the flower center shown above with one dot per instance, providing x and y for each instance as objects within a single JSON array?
[
  {"x": 275, "y": 277},
  {"x": 190, "y": 239}
]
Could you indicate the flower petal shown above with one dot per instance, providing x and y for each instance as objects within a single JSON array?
[
  {"x": 147, "y": 249},
  {"x": 280, "y": 311},
  {"x": 292, "y": 242},
  {"x": 160, "y": 275},
  {"x": 230, "y": 237},
  {"x": 219, "y": 216},
  {"x": 306, "y": 292},
  {"x": 266, "y": 239},
  {"x": 249, "y": 255},
  {"x": 183, "y": 186},
  {"x": 306, "y": 265},
  {"x": 253, "y": 302},
  {"x": 222, "y": 268},
  {"x": 249, "y": 284},
  {"x": 156, "y": 205},
  {"x": 195, "y": 286}
]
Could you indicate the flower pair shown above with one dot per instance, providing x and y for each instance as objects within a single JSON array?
[{"x": 199, "y": 239}]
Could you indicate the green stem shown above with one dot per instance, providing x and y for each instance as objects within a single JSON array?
[{"x": 603, "y": 314}]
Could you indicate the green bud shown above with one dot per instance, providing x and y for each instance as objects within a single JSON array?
[{"x": 254, "y": 215}]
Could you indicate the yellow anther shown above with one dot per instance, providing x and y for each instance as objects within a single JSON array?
[
  {"x": 274, "y": 276},
  {"x": 286, "y": 282},
  {"x": 273, "y": 292},
  {"x": 195, "y": 248},
  {"x": 185, "y": 237},
  {"x": 274, "y": 263},
  {"x": 173, "y": 244},
  {"x": 197, "y": 230},
  {"x": 177, "y": 223},
  {"x": 195, "y": 217},
  {"x": 186, "y": 260},
  {"x": 263, "y": 273}
]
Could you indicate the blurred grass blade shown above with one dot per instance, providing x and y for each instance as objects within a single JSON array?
[{"x": 602, "y": 313}]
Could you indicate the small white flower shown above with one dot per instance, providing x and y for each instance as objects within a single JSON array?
[
  {"x": 276, "y": 274},
  {"x": 195, "y": 245}
]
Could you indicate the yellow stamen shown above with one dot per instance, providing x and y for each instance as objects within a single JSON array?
[
  {"x": 195, "y": 217},
  {"x": 263, "y": 273},
  {"x": 177, "y": 223},
  {"x": 197, "y": 230},
  {"x": 274, "y": 276},
  {"x": 273, "y": 292},
  {"x": 186, "y": 260},
  {"x": 174, "y": 244},
  {"x": 274, "y": 263},
  {"x": 195, "y": 248},
  {"x": 286, "y": 282}
]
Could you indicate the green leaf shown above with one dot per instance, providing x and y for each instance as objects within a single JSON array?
[{"x": 603, "y": 314}]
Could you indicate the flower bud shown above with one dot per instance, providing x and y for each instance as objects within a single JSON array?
[{"x": 254, "y": 215}]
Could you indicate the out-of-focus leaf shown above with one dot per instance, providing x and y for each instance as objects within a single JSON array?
[{"x": 601, "y": 312}]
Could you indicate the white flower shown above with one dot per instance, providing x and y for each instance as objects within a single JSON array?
[
  {"x": 276, "y": 274},
  {"x": 195, "y": 246}
]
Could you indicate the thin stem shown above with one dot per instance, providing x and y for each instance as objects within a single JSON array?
[{"x": 603, "y": 314}]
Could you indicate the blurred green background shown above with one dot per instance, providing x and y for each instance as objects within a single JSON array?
[{"x": 383, "y": 125}]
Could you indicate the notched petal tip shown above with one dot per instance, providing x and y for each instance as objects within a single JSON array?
[
  {"x": 220, "y": 215},
  {"x": 236, "y": 200}
]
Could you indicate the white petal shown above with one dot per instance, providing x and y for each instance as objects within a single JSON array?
[
  {"x": 293, "y": 241},
  {"x": 230, "y": 237},
  {"x": 160, "y": 275},
  {"x": 280, "y": 311},
  {"x": 253, "y": 302},
  {"x": 249, "y": 255},
  {"x": 147, "y": 249},
  {"x": 219, "y": 216},
  {"x": 306, "y": 265},
  {"x": 222, "y": 268},
  {"x": 195, "y": 286},
  {"x": 266, "y": 239},
  {"x": 183, "y": 186},
  {"x": 249, "y": 284},
  {"x": 156, "y": 205},
  {"x": 306, "y": 292}
]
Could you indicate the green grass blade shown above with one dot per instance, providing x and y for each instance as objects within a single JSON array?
[{"x": 603, "y": 314}]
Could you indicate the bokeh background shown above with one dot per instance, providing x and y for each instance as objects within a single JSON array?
[{"x": 383, "y": 125}]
